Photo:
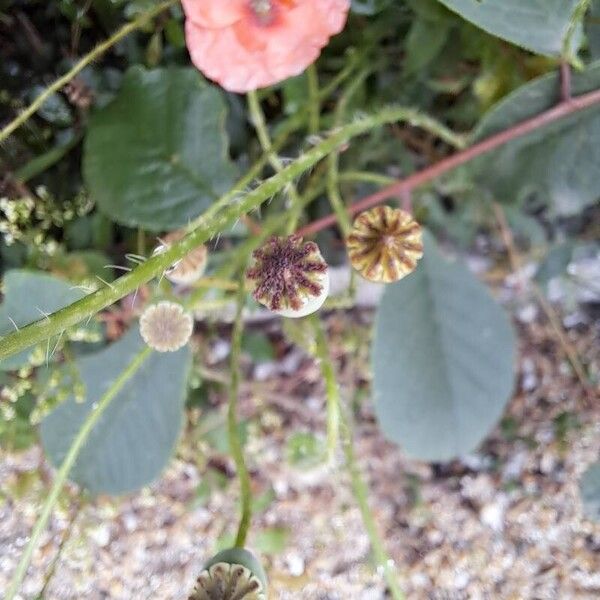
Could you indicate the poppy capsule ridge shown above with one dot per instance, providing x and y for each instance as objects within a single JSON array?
[
  {"x": 385, "y": 244},
  {"x": 232, "y": 574}
]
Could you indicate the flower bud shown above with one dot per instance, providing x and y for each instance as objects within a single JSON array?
[
  {"x": 188, "y": 269},
  {"x": 165, "y": 326},
  {"x": 290, "y": 276},
  {"x": 233, "y": 574},
  {"x": 385, "y": 244}
]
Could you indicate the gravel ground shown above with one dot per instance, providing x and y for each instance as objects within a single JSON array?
[{"x": 505, "y": 522}]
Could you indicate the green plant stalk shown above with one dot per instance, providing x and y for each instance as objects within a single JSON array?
[
  {"x": 39, "y": 164},
  {"x": 233, "y": 431},
  {"x": 577, "y": 17},
  {"x": 332, "y": 390},
  {"x": 333, "y": 160},
  {"x": 262, "y": 132},
  {"x": 66, "y": 466},
  {"x": 98, "y": 51},
  {"x": 237, "y": 206},
  {"x": 361, "y": 491},
  {"x": 314, "y": 104},
  {"x": 361, "y": 494},
  {"x": 366, "y": 177},
  {"x": 254, "y": 172}
]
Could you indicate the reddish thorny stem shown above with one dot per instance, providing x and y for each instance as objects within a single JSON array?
[{"x": 567, "y": 106}]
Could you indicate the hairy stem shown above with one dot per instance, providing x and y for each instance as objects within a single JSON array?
[
  {"x": 407, "y": 185},
  {"x": 333, "y": 160},
  {"x": 98, "y": 51},
  {"x": 314, "y": 105},
  {"x": 575, "y": 21},
  {"x": 332, "y": 390},
  {"x": 360, "y": 488},
  {"x": 361, "y": 494},
  {"x": 67, "y": 465},
  {"x": 208, "y": 228},
  {"x": 235, "y": 443}
]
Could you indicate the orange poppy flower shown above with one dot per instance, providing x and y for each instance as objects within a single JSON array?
[{"x": 248, "y": 44}]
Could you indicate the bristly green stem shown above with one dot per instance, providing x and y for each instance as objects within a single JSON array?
[
  {"x": 98, "y": 51},
  {"x": 262, "y": 131},
  {"x": 332, "y": 390},
  {"x": 361, "y": 491},
  {"x": 67, "y": 464},
  {"x": 361, "y": 494},
  {"x": 237, "y": 206},
  {"x": 577, "y": 17},
  {"x": 314, "y": 104},
  {"x": 333, "y": 190},
  {"x": 235, "y": 443}
]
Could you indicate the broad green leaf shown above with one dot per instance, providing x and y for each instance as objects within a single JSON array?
[
  {"x": 590, "y": 492},
  {"x": 537, "y": 25},
  {"x": 28, "y": 296},
  {"x": 560, "y": 162},
  {"x": 135, "y": 437},
  {"x": 443, "y": 360},
  {"x": 157, "y": 156}
]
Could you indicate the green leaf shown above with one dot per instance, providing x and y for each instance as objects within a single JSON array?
[
  {"x": 369, "y": 7},
  {"x": 157, "y": 156},
  {"x": 28, "y": 296},
  {"x": 443, "y": 359},
  {"x": 135, "y": 437},
  {"x": 560, "y": 162},
  {"x": 537, "y": 25},
  {"x": 590, "y": 492},
  {"x": 425, "y": 41}
]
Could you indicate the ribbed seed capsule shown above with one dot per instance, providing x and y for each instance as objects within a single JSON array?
[
  {"x": 191, "y": 267},
  {"x": 385, "y": 244},
  {"x": 165, "y": 326},
  {"x": 231, "y": 575},
  {"x": 290, "y": 277}
]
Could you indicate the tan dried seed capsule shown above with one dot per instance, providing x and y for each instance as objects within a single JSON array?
[
  {"x": 191, "y": 267},
  {"x": 166, "y": 327},
  {"x": 385, "y": 244}
]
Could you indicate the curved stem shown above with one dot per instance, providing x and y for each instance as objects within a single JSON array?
[
  {"x": 361, "y": 494},
  {"x": 98, "y": 51},
  {"x": 260, "y": 125},
  {"x": 235, "y": 443},
  {"x": 577, "y": 16},
  {"x": 332, "y": 390},
  {"x": 403, "y": 186},
  {"x": 360, "y": 488},
  {"x": 209, "y": 227},
  {"x": 67, "y": 465},
  {"x": 367, "y": 177},
  {"x": 314, "y": 105},
  {"x": 333, "y": 160}
]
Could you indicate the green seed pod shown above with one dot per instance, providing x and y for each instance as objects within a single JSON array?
[{"x": 232, "y": 574}]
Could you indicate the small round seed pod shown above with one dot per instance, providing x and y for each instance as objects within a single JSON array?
[
  {"x": 233, "y": 574},
  {"x": 290, "y": 277},
  {"x": 385, "y": 244},
  {"x": 191, "y": 267},
  {"x": 165, "y": 326}
]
